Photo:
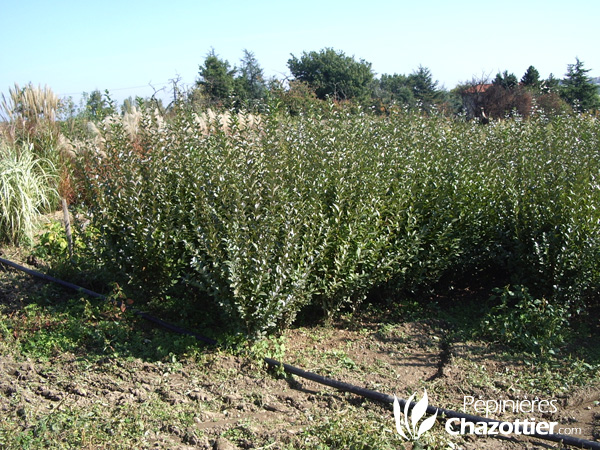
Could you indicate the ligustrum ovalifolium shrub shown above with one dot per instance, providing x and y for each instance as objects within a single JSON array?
[{"x": 269, "y": 215}]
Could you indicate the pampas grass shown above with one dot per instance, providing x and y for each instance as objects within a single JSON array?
[
  {"x": 30, "y": 104},
  {"x": 30, "y": 115},
  {"x": 30, "y": 120}
]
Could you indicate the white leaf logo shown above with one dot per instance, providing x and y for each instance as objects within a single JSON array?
[
  {"x": 397, "y": 416},
  {"x": 408, "y": 429}
]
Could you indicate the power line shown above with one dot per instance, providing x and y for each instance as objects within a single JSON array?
[{"x": 124, "y": 88}]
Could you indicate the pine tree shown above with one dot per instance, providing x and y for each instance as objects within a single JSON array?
[
  {"x": 578, "y": 88},
  {"x": 531, "y": 78},
  {"x": 506, "y": 80},
  {"x": 216, "y": 79},
  {"x": 551, "y": 84},
  {"x": 250, "y": 85},
  {"x": 424, "y": 89}
]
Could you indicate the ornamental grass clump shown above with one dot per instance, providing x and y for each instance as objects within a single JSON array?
[
  {"x": 31, "y": 118},
  {"x": 27, "y": 189},
  {"x": 30, "y": 113}
]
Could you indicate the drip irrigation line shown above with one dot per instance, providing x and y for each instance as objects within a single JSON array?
[
  {"x": 43, "y": 276},
  {"x": 447, "y": 413},
  {"x": 339, "y": 385},
  {"x": 122, "y": 305}
]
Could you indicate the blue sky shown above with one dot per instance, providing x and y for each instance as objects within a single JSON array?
[{"x": 123, "y": 46}]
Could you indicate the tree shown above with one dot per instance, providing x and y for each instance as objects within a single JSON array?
[
  {"x": 216, "y": 79},
  {"x": 250, "y": 85},
  {"x": 128, "y": 105},
  {"x": 424, "y": 88},
  {"x": 394, "y": 88},
  {"x": 551, "y": 103},
  {"x": 551, "y": 84},
  {"x": 531, "y": 78},
  {"x": 500, "y": 102},
  {"x": 578, "y": 89},
  {"x": 333, "y": 74},
  {"x": 96, "y": 105},
  {"x": 297, "y": 97},
  {"x": 506, "y": 80},
  {"x": 501, "y": 98},
  {"x": 415, "y": 89}
]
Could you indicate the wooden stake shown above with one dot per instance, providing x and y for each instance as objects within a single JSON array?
[{"x": 67, "y": 227}]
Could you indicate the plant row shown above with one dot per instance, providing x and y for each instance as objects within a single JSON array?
[{"x": 262, "y": 219}]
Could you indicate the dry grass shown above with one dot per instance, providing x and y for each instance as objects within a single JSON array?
[{"x": 29, "y": 103}]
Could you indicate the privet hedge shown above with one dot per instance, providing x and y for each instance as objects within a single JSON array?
[{"x": 319, "y": 209}]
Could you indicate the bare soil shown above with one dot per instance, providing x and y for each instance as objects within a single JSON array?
[{"x": 233, "y": 401}]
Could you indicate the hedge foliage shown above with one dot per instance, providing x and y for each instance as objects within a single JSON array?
[{"x": 321, "y": 208}]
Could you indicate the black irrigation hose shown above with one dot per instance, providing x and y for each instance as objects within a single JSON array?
[
  {"x": 82, "y": 290},
  {"x": 346, "y": 387},
  {"x": 43, "y": 276},
  {"x": 384, "y": 398}
]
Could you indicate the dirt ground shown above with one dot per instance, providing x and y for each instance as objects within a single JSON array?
[{"x": 235, "y": 402}]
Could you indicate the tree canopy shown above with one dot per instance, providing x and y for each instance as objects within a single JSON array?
[
  {"x": 250, "y": 84},
  {"x": 424, "y": 88},
  {"x": 333, "y": 74},
  {"x": 416, "y": 89},
  {"x": 96, "y": 105},
  {"x": 394, "y": 88},
  {"x": 531, "y": 78},
  {"x": 216, "y": 78},
  {"x": 578, "y": 89},
  {"x": 505, "y": 80}
]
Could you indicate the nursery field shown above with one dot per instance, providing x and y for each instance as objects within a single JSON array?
[
  {"x": 261, "y": 219},
  {"x": 399, "y": 253},
  {"x": 79, "y": 373}
]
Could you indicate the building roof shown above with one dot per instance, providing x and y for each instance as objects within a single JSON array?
[{"x": 478, "y": 88}]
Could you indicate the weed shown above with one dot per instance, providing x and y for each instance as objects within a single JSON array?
[{"x": 526, "y": 323}]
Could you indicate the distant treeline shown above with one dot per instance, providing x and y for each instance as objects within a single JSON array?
[{"x": 330, "y": 75}]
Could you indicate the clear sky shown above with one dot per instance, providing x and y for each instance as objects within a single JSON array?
[{"x": 76, "y": 46}]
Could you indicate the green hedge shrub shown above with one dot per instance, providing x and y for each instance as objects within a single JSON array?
[{"x": 321, "y": 208}]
